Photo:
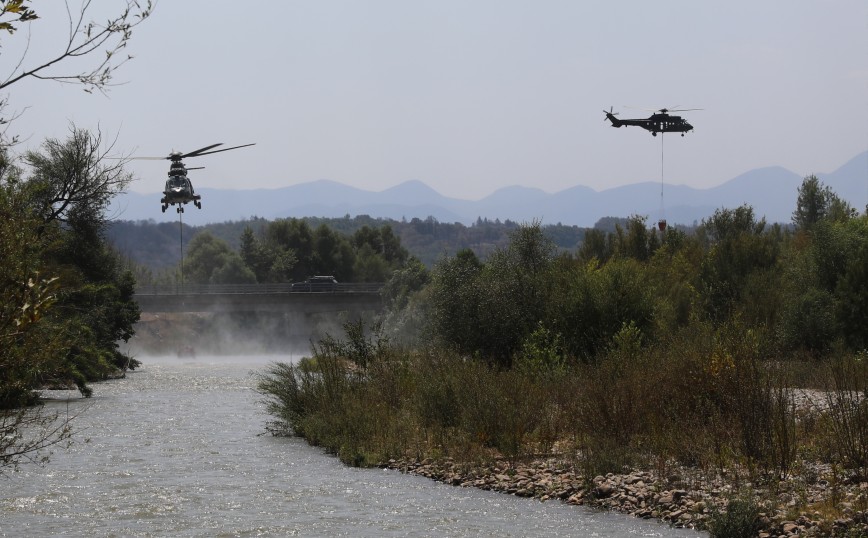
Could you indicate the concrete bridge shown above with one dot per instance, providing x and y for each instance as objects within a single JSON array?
[{"x": 296, "y": 298}]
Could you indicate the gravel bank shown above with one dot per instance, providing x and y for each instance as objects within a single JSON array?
[{"x": 808, "y": 505}]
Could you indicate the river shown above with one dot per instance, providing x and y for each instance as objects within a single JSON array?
[{"x": 177, "y": 449}]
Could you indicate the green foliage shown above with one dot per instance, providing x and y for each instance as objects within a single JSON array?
[
  {"x": 59, "y": 272},
  {"x": 233, "y": 271},
  {"x": 404, "y": 283},
  {"x": 344, "y": 399},
  {"x": 817, "y": 202},
  {"x": 455, "y": 302},
  {"x": 488, "y": 309},
  {"x": 740, "y": 520},
  {"x": 596, "y": 245},
  {"x": 852, "y": 294},
  {"x": 808, "y": 322},
  {"x": 205, "y": 255},
  {"x": 739, "y": 250},
  {"x": 541, "y": 353},
  {"x": 591, "y": 304},
  {"x": 638, "y": 242}
]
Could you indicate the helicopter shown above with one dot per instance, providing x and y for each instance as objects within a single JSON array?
[
  {"x": 179, "y": 188},
  {"x": 658, "y": 122}
]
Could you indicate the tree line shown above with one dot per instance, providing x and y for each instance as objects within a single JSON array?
[
  {"x": 156, "y": 247},
  {"x": 289, "y": 250}
]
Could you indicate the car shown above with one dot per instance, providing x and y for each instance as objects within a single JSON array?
[{"x": 316, "y": 283}]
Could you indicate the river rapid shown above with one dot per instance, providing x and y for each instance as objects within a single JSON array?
[{"x": 177, "y": 448}]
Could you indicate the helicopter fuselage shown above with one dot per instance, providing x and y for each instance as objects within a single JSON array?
[
  {"x": 659, "y": 122},
  {"x": 179, "y": 190}
]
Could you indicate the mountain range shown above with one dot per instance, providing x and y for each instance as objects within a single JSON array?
[{"x": 771, "y": 191}]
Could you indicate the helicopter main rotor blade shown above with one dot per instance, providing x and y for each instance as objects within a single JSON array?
[
  {"x": 219, "y": 150},
  {"x": 199, "y": 151},
  {"x": 194, "y": 167}
]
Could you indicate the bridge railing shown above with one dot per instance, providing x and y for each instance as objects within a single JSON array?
[{"x": 261, "y": 289}]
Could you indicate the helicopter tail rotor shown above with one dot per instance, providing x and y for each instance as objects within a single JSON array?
[{"x": 610, "y": 115}]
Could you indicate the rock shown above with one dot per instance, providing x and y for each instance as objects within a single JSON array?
[
  {"x": 789, "y": 527},
  {"x": 604, "y": 490}
]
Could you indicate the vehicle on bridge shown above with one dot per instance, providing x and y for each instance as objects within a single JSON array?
[{"x": 317, "y": 283}]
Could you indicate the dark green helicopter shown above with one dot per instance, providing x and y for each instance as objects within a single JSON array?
[
  {"x": 658, "y": 122},
  {"x": 179, "y": 188}
]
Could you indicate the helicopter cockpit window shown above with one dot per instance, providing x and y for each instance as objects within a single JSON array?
[{"x": 176, "y": 182}]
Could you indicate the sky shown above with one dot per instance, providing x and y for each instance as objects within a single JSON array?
[{"x": 467, "y": 96}]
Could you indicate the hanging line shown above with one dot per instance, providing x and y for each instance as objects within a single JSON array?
[
  {"x": 662, "y": 208},
  {"x": 181, "y": 229}
]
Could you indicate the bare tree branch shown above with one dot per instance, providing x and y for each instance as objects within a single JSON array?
[
  {"x": 86, "y": 37},
  {"x": 73, "y": 175}
]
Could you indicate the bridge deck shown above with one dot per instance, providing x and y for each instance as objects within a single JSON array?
[
  {"x": 260, "y": 289},
  {"x": 314, "y": 298}
]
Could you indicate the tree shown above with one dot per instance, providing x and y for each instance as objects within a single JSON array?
[
  {"x": 233, "y": 272},
  {"x": 739, "y": 251},
  {"x": 455, "y": 301},
  {"x": 205, "y": 255},
  {"x": 71, "y": 180},
  {"x": 59, "y": 323},
  {"x": 817, "y": 202},
  {"x": 852, "y": 288},
  {"x": 332, "y": 254},
  {"x": 488, "y": 310},
  {"x": 405, "y": 282},
  {"x": 293, "y": 236}
]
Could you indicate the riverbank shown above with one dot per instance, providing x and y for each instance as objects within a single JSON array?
[{"x": 813, "y": 503}]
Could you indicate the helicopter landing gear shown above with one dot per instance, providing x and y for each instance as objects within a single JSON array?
[
  {"x": 180, "y": 209},
  {"x": 198, "y": 204},
  {"x": 165, "y": 207}
]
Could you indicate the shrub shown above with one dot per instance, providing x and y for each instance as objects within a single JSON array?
[
  {"x": 740, "y": 520},
  {"x": 847, "y": 409}
]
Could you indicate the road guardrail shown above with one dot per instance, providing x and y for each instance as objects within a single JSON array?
[{"x": 261, "y": 289}]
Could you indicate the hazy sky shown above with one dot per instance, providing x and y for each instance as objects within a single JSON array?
[{"x": 472, "y": 96}]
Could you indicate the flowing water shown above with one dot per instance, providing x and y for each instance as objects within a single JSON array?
[{"x": 177, "y": 449}]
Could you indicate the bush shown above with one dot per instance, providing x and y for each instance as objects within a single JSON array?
[
  {"x": 847, "y": 409},
  {"x": 740, "y": 520}
]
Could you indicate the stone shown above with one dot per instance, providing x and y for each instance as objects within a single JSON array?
[
  {"x": 604, "y": 490},
  {"x": 789, "y": 527}
]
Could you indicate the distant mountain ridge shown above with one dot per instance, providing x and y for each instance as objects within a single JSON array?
[{"x": 771, "y": 191}]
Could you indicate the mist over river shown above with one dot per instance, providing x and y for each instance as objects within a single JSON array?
[{"x": 178, "y": 449}]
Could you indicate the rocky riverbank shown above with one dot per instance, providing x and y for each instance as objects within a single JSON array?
[{"x": 818, "y": 503}]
